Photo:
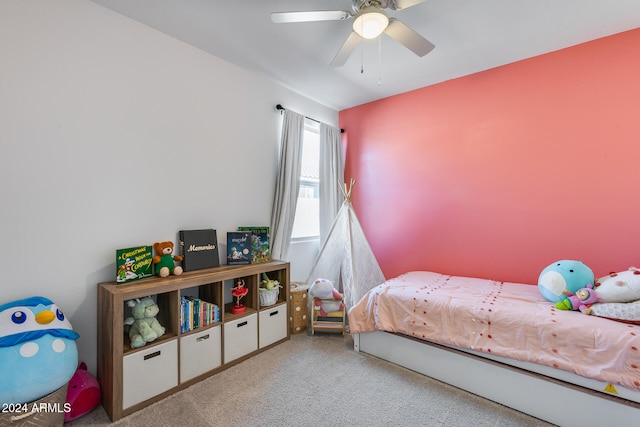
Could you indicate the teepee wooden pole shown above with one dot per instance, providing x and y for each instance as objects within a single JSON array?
[{"x": 346, "y": 189}]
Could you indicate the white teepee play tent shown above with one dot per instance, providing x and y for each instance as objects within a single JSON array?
[{"x": 346, "y": 257}]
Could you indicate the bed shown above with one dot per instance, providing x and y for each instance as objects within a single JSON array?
[{"x": 505, "y": 342}]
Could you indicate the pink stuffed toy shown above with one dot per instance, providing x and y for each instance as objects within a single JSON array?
[
  {"x": 83, "y": 394},
  {"x": 581, "y": 300},
  {"x": 329, "y": 299}
]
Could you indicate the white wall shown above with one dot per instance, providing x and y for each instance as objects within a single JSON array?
[
  {"x": 113, "y": 135},
  {"x": 301, "y": 255}
]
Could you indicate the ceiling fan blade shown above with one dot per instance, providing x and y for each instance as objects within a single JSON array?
[
  {"x": 315, "y": 15},
  {"x": 408, "y": 38},
  {"x": 403, "y": 4},
  {"x": 347, "y": 48}
]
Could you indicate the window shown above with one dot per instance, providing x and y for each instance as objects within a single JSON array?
[{"x": 306, "y": 224}]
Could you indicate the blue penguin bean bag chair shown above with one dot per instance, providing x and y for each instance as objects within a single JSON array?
[
  {"x": 564, "y": 275},
  {"x": 38, "y": 352}
]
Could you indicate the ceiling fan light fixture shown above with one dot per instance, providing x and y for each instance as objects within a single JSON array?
[{"x": 370, "y": 22}]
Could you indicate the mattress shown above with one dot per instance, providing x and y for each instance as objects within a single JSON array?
[{"x": 504, "y": 319}]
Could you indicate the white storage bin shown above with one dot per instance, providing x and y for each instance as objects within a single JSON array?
[
  {"x": 149, "y": 372},
  {"x": 272, "y": 325},
  {"x": 240, "y": 337},
  {"x": 200, "y": 352}
]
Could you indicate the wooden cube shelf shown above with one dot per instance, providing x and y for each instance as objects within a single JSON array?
[{"x": 214, "y": 346}]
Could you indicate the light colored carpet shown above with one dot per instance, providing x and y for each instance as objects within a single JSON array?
[{"x": 313, "y": 381}]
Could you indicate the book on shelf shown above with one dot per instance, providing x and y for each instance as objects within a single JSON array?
[
  {"x": 196, "y": 313},
  {"x": 260, "y": 250},
  {"x": 199, "y": 249},
  {"x": 133, "y": 264},
  {"x": 238, "y": 247}
]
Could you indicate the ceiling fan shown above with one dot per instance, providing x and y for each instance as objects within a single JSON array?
[{"x": 370, "y": 21}]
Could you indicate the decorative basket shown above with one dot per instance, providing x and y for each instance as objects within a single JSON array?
[
  {"x": 299, "y": 307},
  {"x": 268, "y": 296},
  {"x": 50, "y": 414}
]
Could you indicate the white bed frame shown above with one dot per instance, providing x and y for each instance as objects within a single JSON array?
[{"x": 553, "y": 395}]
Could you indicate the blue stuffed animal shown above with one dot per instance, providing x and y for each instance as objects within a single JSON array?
[
  {"x": 38, "y": 352},
  {"x": 562, "y": 277}
]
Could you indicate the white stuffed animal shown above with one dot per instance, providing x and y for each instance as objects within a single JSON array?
[{"x": 329, "y": 298}]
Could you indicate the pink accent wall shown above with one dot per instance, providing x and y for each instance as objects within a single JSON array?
[{"x": 503, "y": 172}]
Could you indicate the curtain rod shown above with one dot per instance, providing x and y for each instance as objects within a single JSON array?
[{"x": 281, "y": 108}]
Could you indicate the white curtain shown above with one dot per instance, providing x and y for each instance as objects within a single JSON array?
[
  {"x": 331, "y": 177},
  {"x": 287, "y": 184}
]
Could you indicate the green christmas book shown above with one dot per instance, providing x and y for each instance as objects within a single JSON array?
[{"x": 133, "y": 263}]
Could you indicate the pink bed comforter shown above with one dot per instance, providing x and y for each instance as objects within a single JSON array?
[{"x": 505, "y": 319}]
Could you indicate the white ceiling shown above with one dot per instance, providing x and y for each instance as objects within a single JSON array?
[{"x": 470, "y": 36}]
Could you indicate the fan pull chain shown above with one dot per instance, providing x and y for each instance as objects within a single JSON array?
[
  {"x": 379, "y": 60},
  {"x": 361, "y": 59}
]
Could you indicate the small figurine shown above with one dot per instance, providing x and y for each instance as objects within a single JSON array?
[{"x": 239, "y": 292}]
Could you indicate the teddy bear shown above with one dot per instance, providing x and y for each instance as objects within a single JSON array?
[
  {"x": 143, "y": 325},
  {"x": 164, "y": 260},
  {"x": 329, "y": 299}
]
